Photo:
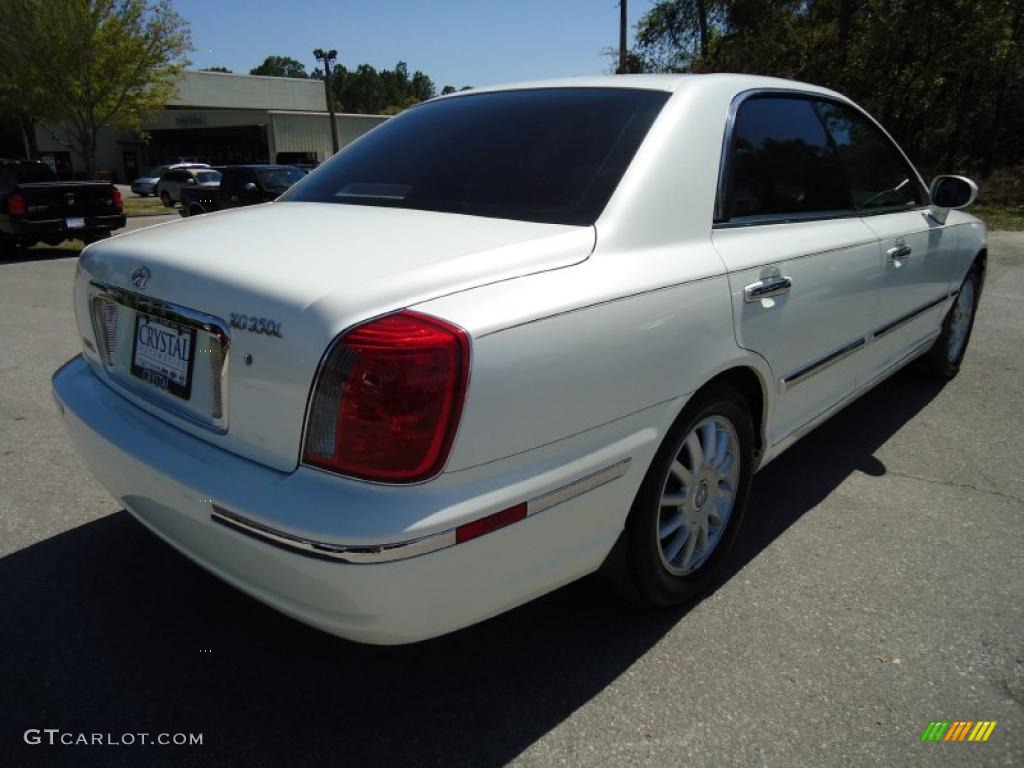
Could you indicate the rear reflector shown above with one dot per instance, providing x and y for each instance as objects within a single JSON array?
[
  {"x": 490, "y": 523},
  {"x": 118, "y": 202},
  {"x": 388, "y": 399}
]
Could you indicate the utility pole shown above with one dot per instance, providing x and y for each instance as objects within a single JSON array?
[
  {"x": 623, "y": 53},
  {"x": 327, "y": 57}
]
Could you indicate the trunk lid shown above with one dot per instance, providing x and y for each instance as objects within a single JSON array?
[{"x": 285, "y": 279}]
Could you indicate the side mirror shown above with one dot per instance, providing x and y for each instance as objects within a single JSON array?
[
  {"x": 191, "y": 180},
  {"x": 949, "y": 193},
  {"x": 249, "y": 187}
]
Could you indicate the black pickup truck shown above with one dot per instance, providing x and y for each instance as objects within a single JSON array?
[
  {"x": 35, "y": 206},
  {"x": 240, "y": 185}
]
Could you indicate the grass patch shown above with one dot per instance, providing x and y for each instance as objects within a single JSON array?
[
  {"x": 67, "y": 245},
  {"x": 145, "y": 206},
  {"x": 1009, "y": 217}
]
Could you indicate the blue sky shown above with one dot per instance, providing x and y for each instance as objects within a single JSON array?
[{"x": 457, "y": 43}]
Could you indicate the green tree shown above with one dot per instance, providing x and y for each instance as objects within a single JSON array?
[
  {"x": 88, "y": 65},
  {"x": 367, "y": 90},
  {"x": 947, "y": 79},
  {"x": 280, "y": 66},
  {"x": 216, "y": 69}
]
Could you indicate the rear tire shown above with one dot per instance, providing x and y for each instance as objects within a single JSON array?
[
  {"x": 8, "y": 246},
  {"x": 165, "y": 198},
  {"x": 944, "y": 358},
  {"x": 672, "y": 552},
  {"x": 195, "y": 210}
]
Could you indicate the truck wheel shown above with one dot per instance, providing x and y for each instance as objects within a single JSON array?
[
  {"x": 195, "y": 210},
  {"x": 7, "y": 246},
  {"x": 165, "y": 198}
]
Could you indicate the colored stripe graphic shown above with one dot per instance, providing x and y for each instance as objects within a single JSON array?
[
  {"x": 982, "y": 730},
  {"x": 935, "y": 730},
  {"x": 959, "y": 730}
]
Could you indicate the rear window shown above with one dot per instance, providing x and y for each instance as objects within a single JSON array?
[
  {"x": 548, "y": 155},
  {"x": 30, "y": 172}
]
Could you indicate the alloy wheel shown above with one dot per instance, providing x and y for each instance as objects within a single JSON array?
[
  {"x": 960, "y": 323},
  {"x": 698, "y": 495}
]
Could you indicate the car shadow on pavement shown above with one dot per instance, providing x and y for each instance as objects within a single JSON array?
[{"x": 108, "y": 630}]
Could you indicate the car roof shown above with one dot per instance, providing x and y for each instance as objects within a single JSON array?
[{"x": 653, "y": 82}]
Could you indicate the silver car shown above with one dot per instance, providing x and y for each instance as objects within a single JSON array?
[
  {"x": 171, "y": 182},
  {"x": 145, "y": 185}
]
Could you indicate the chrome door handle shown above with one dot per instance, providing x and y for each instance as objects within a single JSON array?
[
  {"x": 901, "y": 251},
  {"x": 769, "y": 286}
]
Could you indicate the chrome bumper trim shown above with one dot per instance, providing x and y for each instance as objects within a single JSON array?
[
  {"x": 362, "y": 554},
  {"x": 346, "y": 553}
]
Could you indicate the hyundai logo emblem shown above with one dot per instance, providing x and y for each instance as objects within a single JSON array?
[{"x": 140, "y": 277}]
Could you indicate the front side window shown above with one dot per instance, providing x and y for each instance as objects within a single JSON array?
[
  {"x": 877, "y": 175},
  {"x": 783, "y": 163},
  {"x": 551, "y": 155}
]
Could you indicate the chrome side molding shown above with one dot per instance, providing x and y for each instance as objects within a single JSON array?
[
  {"x": 360, "y": 554},
  {"x": 802, "y": 374},
  {"x": 899, "y": 322},
  {"x": 796, "y": 377}
]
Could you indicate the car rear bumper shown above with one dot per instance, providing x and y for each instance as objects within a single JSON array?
[
  {"x": 26, "y": 228},
  {"x": 182, "y": 488}
]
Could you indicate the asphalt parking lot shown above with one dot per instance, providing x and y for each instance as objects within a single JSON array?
[{"x": 878, "y": 586}]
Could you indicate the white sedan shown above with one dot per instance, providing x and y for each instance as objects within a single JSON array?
[{"x": 511, "y": 337}]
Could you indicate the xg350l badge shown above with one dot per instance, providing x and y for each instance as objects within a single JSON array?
[{"x": 256, "y": 324}]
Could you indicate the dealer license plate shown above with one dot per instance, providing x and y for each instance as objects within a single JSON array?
[{"x": 163, "y": 354}]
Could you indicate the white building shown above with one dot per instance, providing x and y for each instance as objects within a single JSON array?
[{"x": 220, "y": 118}]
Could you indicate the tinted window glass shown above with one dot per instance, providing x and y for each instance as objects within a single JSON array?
[
  {"x": 783, "y": 162},
  {"x": 547, "y": 155},
  {"x": 877, "y": 174},
  {"x": 31, "y": 172},
  {"x": 278, "y": 179},
  {"x": 207, "y": 177}
]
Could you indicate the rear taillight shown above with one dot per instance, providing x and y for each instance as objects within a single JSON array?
[
  {"x": 16, "y": 205},
  {"x": 118, "y": 202},
  {"x": 388, "y": 398}
]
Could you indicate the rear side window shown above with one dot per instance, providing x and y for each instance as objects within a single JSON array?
[
  {"x": 783, "y": 163},
  {"x": 548, "y": 155},
  {"x": 877, "y": 174}
]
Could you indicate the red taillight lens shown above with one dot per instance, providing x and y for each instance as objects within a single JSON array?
[
  {"x": 16, "y": 205},
  {"x": 118, "y": 202},
  {"x": 388, "y": 399}
]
